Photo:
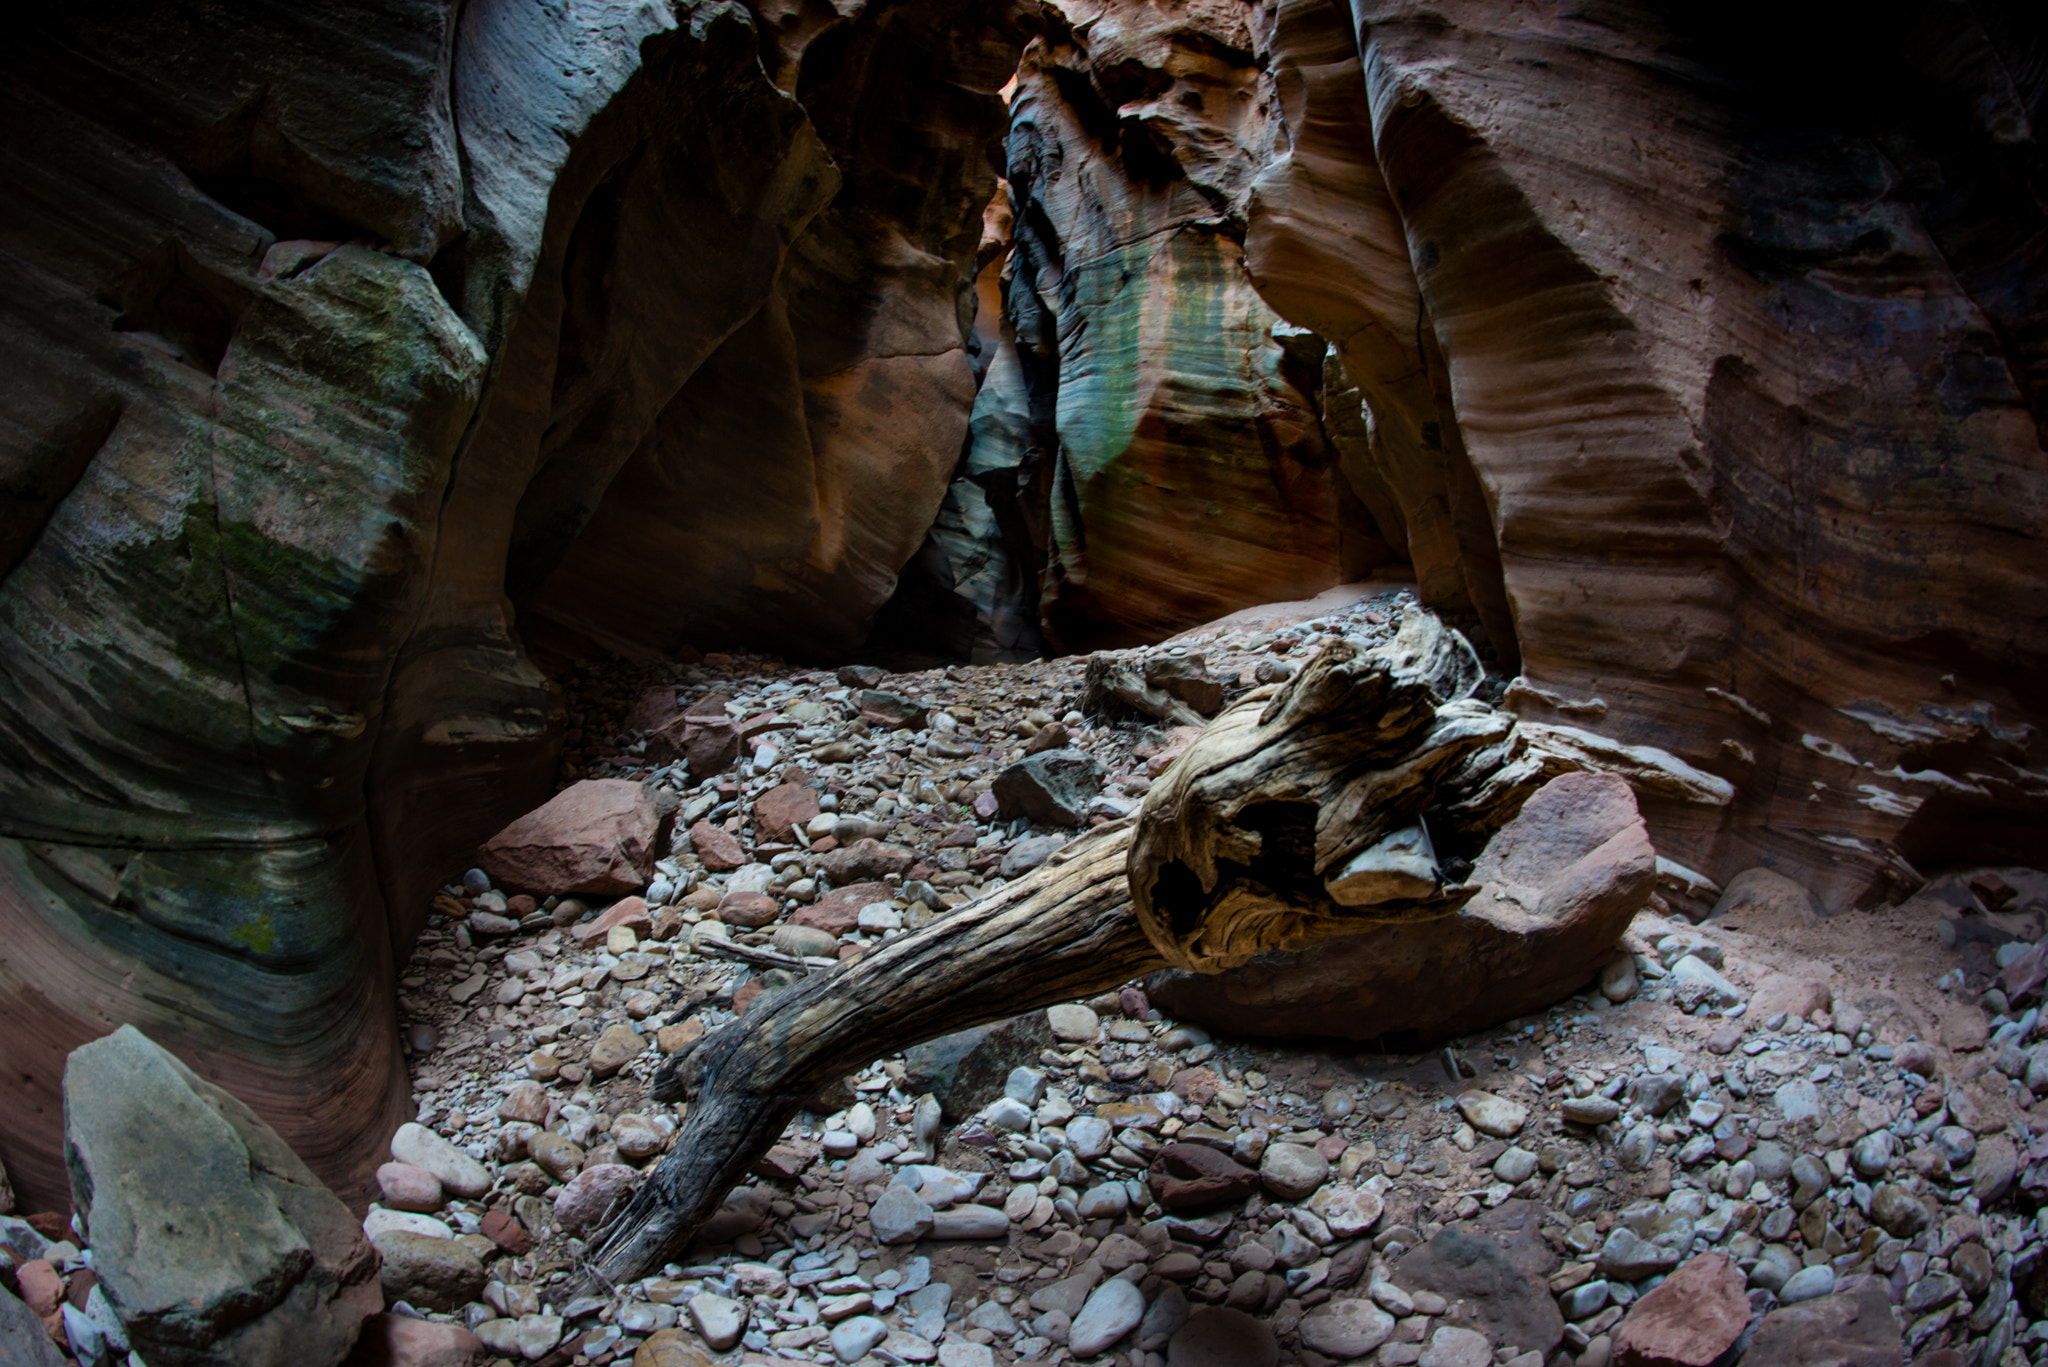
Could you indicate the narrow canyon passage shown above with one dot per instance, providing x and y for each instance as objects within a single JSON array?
[{"x": 758, "y": 432}]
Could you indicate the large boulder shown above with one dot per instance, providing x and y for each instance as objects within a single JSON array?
[
  {"x": 596, "y": 837},
  {"x": 215, "y": 1244},
  {"x": 1053, "y": 787},
  {"x": 1559, "y": 884}
]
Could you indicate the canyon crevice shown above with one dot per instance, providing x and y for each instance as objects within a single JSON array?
[{"x": 366, "y": 366}]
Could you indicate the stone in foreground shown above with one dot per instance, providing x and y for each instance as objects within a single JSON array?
[
  {"x": 214, "y": 1243},
  {"x": 595, "y": 837},
  {"x": 1689, "y": 1320}
]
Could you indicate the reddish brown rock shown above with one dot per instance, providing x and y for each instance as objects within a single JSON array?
[
  {"x": 506, "y": 1232},
  {"x": 865, "y": 859},
  {"x": 1692, "y": 1317},
  {"x": 595, "y": 837},
  {"x": 783, "y": 808},
  {"x": 838, "y": 911},
  {"x": 748, "y": 909},
  {"x": 717, "y": 847},
  {"x": 630, "y": 912},
  {"x": 1570, "y": 871},
  {"x": 402, "y": 1341},
  {"x": 1191, "y": 1176},
  {"x": 656, "y": 707},
  {"x": 709, "y": 745},
  {"x": 1852, "y": 1327}
]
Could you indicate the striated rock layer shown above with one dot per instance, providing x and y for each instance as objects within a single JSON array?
[
  {"x": 323, "y": 325},
  {"x": 1147, "y": 450},
  {"x": 1708, "y": 380}
]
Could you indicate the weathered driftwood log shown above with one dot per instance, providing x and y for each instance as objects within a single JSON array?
[
  {"x": 1353, "y": 795},
  {"x": 1061, "y": 932}
]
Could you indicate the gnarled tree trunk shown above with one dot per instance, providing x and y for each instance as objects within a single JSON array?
[{"x": 1305, "y": 811}]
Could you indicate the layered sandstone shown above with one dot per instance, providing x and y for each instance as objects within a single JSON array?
[
  {"x": 322, "y": 326},
  {"x": 1707, "y": 383},
  {"x": 1147, "y": 449}
]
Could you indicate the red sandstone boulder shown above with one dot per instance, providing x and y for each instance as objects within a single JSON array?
[
  {"x": 596, "y": 837},
  {"x": 838, "y": 911},
  {"x": 780, "y": 810},
  {"x": 1692, "y": 1318},
  {"x": 708, "y": 744},
  {"x": 1561, "y": 882},
  {"x": 717, "y": 847},
  {"x": 627, "y": 911},
  {"x": 748, "y": 909}
]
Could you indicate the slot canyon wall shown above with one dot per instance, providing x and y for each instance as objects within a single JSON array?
[{"x": 357, "y": 357}]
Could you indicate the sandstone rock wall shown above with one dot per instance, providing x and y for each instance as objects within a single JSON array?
[
  {"x": 323, "y": 326},
  {"x": 1707, "y": 377},
  {"x": 1147, "y": 449}
]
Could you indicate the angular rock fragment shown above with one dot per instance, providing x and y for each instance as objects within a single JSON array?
[
  {"x": 213, "y": 1242},
  {"x": 596, "y": 837}
]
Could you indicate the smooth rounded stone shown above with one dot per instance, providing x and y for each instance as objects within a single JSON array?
[
  {"x": 1628, "y": 1257},
  {"x": 640, "y": 1318},
  {"x": 526, "y": 1101},
  {"x": 1492, "y": 1115},
  {"x": 900, "y": 1217},
  {"x": 1773, "y": 1161},
  {"x": 422, "y": 1148},
  {"x": 670, "y": 1348},
  {"x": 531, "y": 1336},
  {"x": 1809, "y": 1179},
  {"x": 1183, "y": 1037},
  {"x": 1872, "y": 1154},
  {"x": 852, "y": 1339},
  {"x": 476, "y": 882},
  {"x": 839, "y": 1143},
  {"x": 1113, "y": 1310},
  {"x": 901, "y": 1346},
  {"x": 1590, "y": 1110},
  {"x": 1220, "y": 1337},
  {"x": 1899, "y": 1212},
  {"x": 404, "y": 1221},
  {"x": 1347, "y": 1328},
  {"x": 964, "y": 1353},
  {"x": 1009, "y": 1114},
  {"x": 1391, "y": 1298},
  {"x": 1584, "y": 1300},
  {"x": 406, "y": 1187},
  {"x": 719, "y": 1319},
  {"x": 1454, "y": 1347},
  {"x": 1293, "y": 1171},
  {"x": 748, "y": 909},
  {"x": 1619, "y": 980},
  {"x": 970, "y": 1222},
  {"x": 615, "y": 1048},
  {"x": 1348, "y": 1211},
  {"x": 1074, "y": 1023},
  {"x": 1026, "y": 1085},
  {"x": 439, "y": 1274},
  {"x": 1089, "y": 1136},
  {"x": 1515, "y": 1167},
  {"x": 1693, "y": 981},
  {"x": 555, "y": 1155},
  {"x": 1806, "y": 1284},
  {"x": 588, "y": 1197},
  {"x": 1106, "y": 1201},
  {"x": 1636, "y": 1149},
  {"x": 1997, "y": 1165},
  {"x": 1028, "y": 854},
  {"x": 637, "y": 1137},
  {"x": 805, "y": 942}
]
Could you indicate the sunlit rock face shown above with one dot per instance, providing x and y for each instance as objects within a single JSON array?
[{"x": 322, "y": 328}]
